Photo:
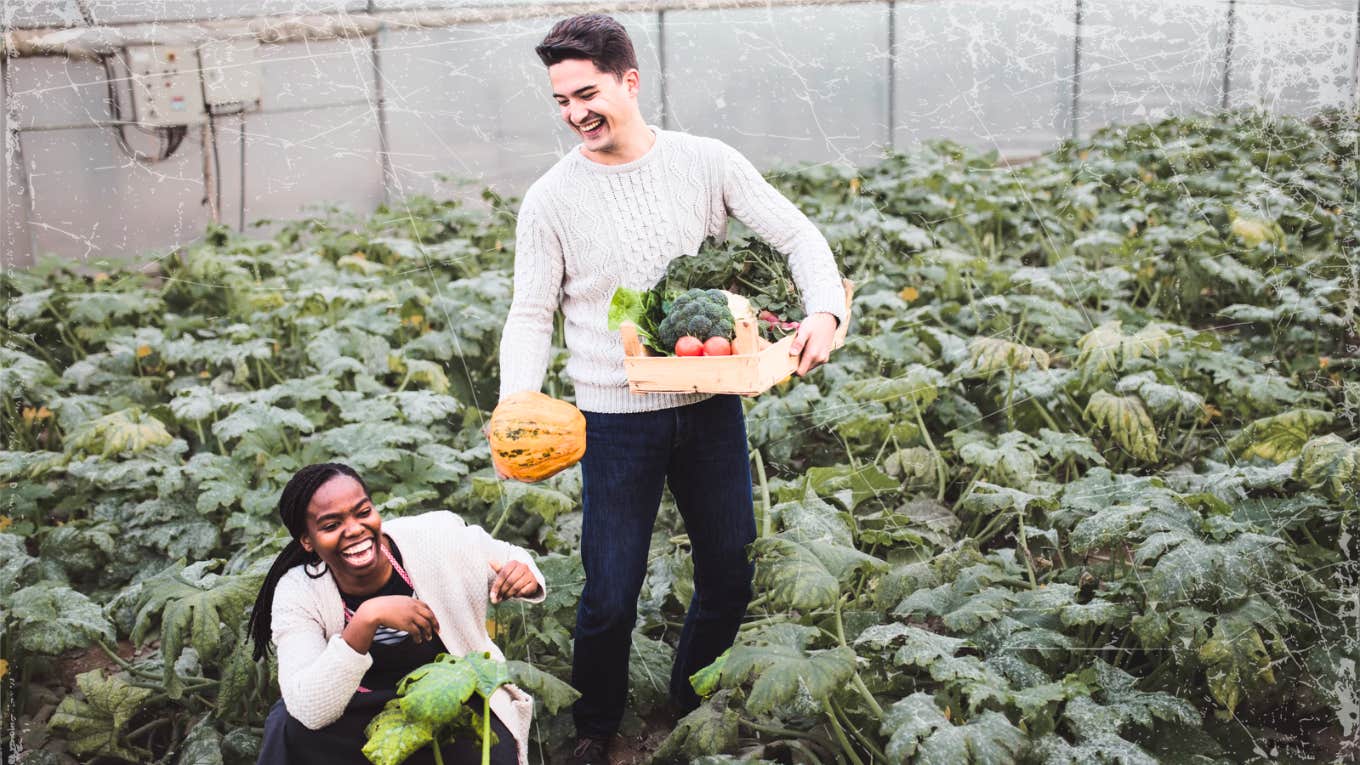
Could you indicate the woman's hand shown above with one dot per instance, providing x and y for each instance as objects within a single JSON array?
[
  {"x": 398, "y": 612},
  {"x": 513, "y": 580}
]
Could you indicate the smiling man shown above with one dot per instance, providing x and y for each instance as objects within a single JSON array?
[{"x": 614, "y": 211}]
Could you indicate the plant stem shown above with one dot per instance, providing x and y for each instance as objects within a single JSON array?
[
  {"x": 495, "y": 530},
  {"x": 1024, "y": 545},
  {"x": 774, "y": 730},
  {"x": 486, "y": 730},
  {"x": 930, "y": 444},
  {"x": 1044, "y": 413},
  {"x": 434, "y": 744},
  {"x": 865, "y": 741},
  {"x": 840, "y": 733},
  {"x": 765, "y": 521},
  {"x": 859, "y": 681},
  {"x": 1010, "y": 398},
  {"x": 156, "y": 723}
]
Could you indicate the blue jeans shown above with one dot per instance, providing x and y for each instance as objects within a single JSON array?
[{"x": 700, "y": 451}]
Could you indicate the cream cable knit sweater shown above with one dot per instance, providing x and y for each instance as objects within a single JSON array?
[
  {"x": 449, "y": 563},
  {"x": 586, "y": 228}
]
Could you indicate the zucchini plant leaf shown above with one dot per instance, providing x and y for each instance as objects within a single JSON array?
[
  {"x": 433, "y": 694},
  {"x": 95, "y": 722},
  {"x": 190, "y": 604},
  {"x": 393, "y": 737},
  {"x": 51, "y": 618},
  {"x": 1127, "y": 420},
  {"x": 1329, "y": 462},
  {"x": 551, "y": 693},
  {"x": 921, "y": 733},
  {"x": 709, "y": 729},
  {"x": 780, "y": 667},
  {"x": 1280, "y": 437}
]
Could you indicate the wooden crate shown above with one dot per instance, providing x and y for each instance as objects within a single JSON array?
[{"x": 754, "y": 367}]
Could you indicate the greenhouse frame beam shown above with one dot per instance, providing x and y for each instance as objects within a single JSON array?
[{"x": 93, "y": 42}]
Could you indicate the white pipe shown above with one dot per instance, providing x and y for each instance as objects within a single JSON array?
[{"x": 92, "y": 42}]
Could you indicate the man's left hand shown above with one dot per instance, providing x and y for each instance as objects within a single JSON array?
[{"x": 812, "y": 344}]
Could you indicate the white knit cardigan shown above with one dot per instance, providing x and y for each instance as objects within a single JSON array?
[{"x": 449, "y": 564}]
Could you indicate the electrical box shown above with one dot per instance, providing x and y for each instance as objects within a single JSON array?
[
  {"x": 231, "y": 75},
  {"x": 165, "y": 85}
]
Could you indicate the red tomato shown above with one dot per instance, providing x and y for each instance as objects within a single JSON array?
[
  {"x": 689, "y": 346},
  {"x": 717, "y": 346}
]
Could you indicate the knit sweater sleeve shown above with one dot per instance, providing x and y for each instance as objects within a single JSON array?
[
  {"x": 317, "y": 677},
  {"x": 767, "y": 212},
  {"x": 526, "y": 341},
  {"x": 499, "y": 551}
]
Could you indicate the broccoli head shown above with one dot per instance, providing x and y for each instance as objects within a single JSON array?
[{"x": 700, "y": 313}]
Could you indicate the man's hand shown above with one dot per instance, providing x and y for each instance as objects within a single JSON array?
[
  {"x": 513, "y": 580},
  {"x": 816, "y": 335}
]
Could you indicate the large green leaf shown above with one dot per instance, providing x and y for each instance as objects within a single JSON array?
[
  {"x": 916, "y": 389},
  {"x": 1280, "y": 437},
  {"x": 649, "y": 671},
  {"x": 806, "y": 575},
  {"x": 15, "y": 564},
  {"x": 710, "y": 729},
  {"x": 552, "y": 694},
  {"x": 921, "y": 733},
  {"x": 779, "y": 666},
  {"x": 50, "y": 618},
  {"x": 128, "y": 431},
  {"x": 1125, "y": 418},
  {"x": 393, "y": 737},
  {"x": 1331, "y": 463},
  {"x": 433, "y": 694},
  {"x": 1107, "y": 348},
  {"x": 989, "y": 355},
  {"x": 203, "y": 745},
  {"x": 1236, "y": 661},
  {"x": 95, "y": 723},
  {"x": 543, "y": 501},
  {"x": 190, "y": 604}
]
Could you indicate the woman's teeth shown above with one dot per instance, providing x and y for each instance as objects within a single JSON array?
[{"x": 360, "y": 553}]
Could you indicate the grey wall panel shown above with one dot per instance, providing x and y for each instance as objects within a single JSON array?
[
  {"x": 315, "y": 74},
  {"x": 1143, "y": 60},
  {"x": 58, "y": 91},
  {"x": 298, "y": 161},
  {"x": 783, "y": 86},
  {"x": 475, "y": 104},
  {"x": 1293, "y": 57},
  {"x": 30, "y": 13},
  {"x": 36, "y": 13},
  {"x": 994, "y": 74},
  {"x": 92, "y": 204}
]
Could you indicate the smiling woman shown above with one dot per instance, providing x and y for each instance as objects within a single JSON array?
[{"x": 353, "y": 605}]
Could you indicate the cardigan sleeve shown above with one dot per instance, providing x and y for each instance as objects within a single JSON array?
[
  {"x": 317, "y": 677},
  {"x": 499, "y": 551}
]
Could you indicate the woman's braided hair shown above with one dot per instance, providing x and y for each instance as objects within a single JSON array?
[{"x": 293, "y": 502}]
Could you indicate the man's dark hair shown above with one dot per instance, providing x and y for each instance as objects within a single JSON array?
[{"x": 593, "y": 36}]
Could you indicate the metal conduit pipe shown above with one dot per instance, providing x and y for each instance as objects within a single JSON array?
[{"x": 92, "y": 42}]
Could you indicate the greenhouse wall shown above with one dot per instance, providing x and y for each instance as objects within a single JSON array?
[{"x": 468, "y": 106}]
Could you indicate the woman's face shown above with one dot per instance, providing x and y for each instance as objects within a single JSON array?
[{"x": 344, "y": 529}]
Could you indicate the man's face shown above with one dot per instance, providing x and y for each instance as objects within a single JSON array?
[{"x": 590, "y": 98}]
